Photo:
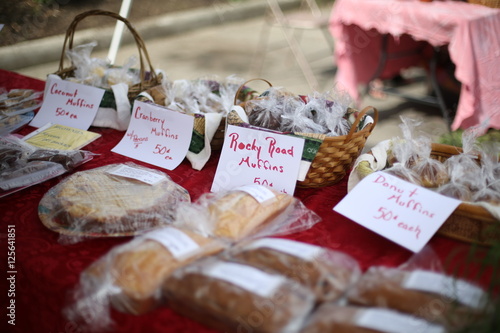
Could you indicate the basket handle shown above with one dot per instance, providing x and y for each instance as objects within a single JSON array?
[
  {"x": 244, "y": 85},
  {"x": 143, "y": 53},
  {"x": 361, "y": 114}
]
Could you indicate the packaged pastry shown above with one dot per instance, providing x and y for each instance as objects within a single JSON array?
[
  {"x": 425, "y": 294},
  {"x": 23, "y": 165},
  {"x": 233, "y": 297},
  {"x": 117, "y": 199},
  {"x": 129, "y": 277},
  {"x": 331, "y": 317},
  {"x": 252, "y": 210},
  {"x": 326, "y": 272}
]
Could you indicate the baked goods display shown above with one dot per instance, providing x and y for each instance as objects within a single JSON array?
[
  {"x": 23, "y": 165},
  {"x": 248, "y": 211},
  {"x": 331, "y": 317},
  {"x": 432, "y": 296},
  {"x": 102, "y": 202},
  {"x": 233, "y": 297},
  {"x": 281, "y": 110},
  {"x": 328, "y": 273},
  {"x": 129, "y": 276}
]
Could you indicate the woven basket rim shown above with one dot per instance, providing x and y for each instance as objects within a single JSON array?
[{"x": 155, "y": 78}]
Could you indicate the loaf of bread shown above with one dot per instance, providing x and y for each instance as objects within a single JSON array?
[
  {"x": 424, "y": 294},
  {"x": 334, "y": 318},
  {"x": 132, "y": 274},
  {"x": 326, "y": 272},
  {"x": 232, "y": 297},
  {"x": 97, "y": 202},
  {"x": 238, "y": 213}
]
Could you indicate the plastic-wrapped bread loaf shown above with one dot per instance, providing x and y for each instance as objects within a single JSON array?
[
  {"x": 246, "y": 211},
  {"x": 232, "y": 297},
  {"x": 327, "y": 272},
  {"x": 334, "y": 318},
  {"x": 129, "y": 277},
  {"x": 433, "y": 296}
]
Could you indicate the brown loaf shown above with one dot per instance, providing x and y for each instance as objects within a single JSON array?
[
  {"x": 228, "y": 307},
  {"x": 238, "y": 214},
  {"x": 330, "y": 317},
  {"x": 139, "y": 268},
  {"x": 328, "y": 275},
  {"x": 383, "y": 287}
]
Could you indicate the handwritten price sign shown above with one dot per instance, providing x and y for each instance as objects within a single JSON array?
[
  {"x": 68, "y": 103},
  {"x": 157, "y": 136},
  {"x": 403, "y": 212},
  {"x": 252, "y": 156}
]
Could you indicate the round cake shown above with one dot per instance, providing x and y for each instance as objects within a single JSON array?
[{"x": 97, "y": 202}]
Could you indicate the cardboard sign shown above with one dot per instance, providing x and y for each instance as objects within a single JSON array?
[
  {"x": 68, "y": 103},
  {"x": 157, "y": 135},
  {"x": 403, "y": 212},
  {"x": 252, "y": 156}
]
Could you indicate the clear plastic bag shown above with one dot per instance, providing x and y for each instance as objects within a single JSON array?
[
  {"x": 130, "y": 276},
  {"x": 23, "y": 165},
  {"x": 331, "y": 317},
  {"x": 421, "y": 288},
  {"x": 105, "y": 202},
  {"x": 230, "y": 297},
  {"x": 237, "y": 214},
  {"x": 328, "y": 273}
]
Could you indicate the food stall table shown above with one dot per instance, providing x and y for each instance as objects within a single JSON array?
[
  {"x": 469, "y": 31},
  {"x": 45, "y": 270}
]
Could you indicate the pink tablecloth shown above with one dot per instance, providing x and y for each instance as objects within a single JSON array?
[{"x": 470, "y": 31}]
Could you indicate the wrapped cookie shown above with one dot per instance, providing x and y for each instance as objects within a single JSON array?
[
  {"x": 233, "y": 297},
  {"x": 129, "y": 276},
  {"x": 433, "y": 296},
  {"x": 331, "y": 317},
  {"x": 246, "y": 211},
  {"x": 326, "y": 272}
]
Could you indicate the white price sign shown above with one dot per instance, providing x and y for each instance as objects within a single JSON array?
[
  {"x": 69, "y": 104},
  {"x": 157, "y": 136},
  {"x": 403, "y": 212},
  {"x": 251, "y": 156}
]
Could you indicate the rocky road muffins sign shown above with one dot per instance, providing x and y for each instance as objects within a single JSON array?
[
  {"x": 403, "y": 212},
  {"x": 252, "y": 156},
  {"x": 157, "y": 136}
]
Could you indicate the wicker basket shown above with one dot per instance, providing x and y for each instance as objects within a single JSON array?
[
  {"x": 487, "y": 3},
  {"x": 148, "y": 77},
  {"x": 469, "y": 223},
  {"x": 336, "y": 155}
]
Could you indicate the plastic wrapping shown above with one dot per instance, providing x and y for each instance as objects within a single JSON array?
[
  {"x": 423, "y": 293},
  {"x": 237, "y": 298},
  {"x": 330, "y": 317},
  {"x": 99, "y": 72},
  {"x": 129, "y": 277},
  {"x": 326, "y": 272},
  {"x": 105, "y": 201},
  {"x": 237, "y": 214},
  {"x": 203, "y": 95},
  {"x": 23, "y": 165},
  {"x": 322, "y": 113},
  {"x": 19, "y": 101}
]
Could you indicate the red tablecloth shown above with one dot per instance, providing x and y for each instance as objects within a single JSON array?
[
  {"x": 470, "y": 31},
  {"x": 47, "y": 270}
]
